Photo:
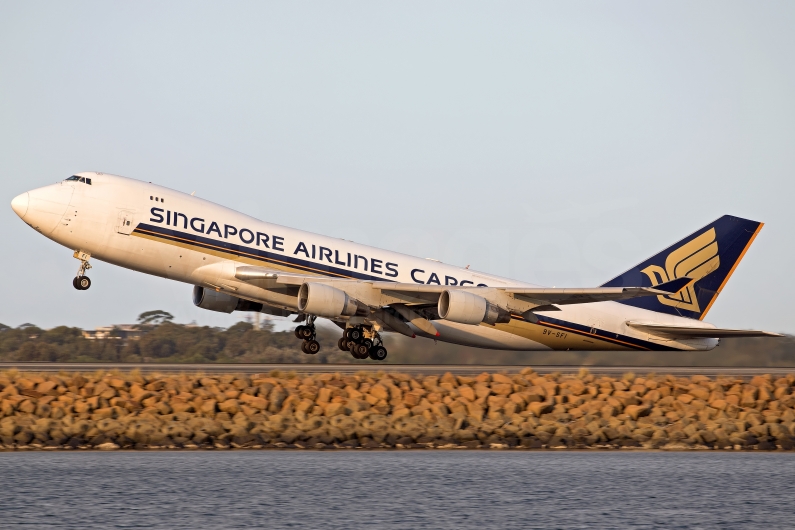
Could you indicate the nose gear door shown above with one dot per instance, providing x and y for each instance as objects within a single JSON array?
[{"x": 125, "y": 223}]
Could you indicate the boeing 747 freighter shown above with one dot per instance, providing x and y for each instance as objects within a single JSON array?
[{"x": 238, "y": 263}]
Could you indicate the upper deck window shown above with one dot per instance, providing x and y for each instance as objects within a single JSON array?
[{"x": 76, "y": 178}]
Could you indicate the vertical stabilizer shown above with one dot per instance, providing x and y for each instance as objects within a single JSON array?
[{"x": 708, "y": 256}]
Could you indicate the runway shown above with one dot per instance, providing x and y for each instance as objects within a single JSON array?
[{"x": 421, "y": 369}]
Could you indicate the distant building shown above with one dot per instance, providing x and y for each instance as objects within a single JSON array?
[{"x": 120, "y": 332}]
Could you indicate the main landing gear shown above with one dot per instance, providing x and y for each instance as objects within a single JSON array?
[
  {"x": 82, "y": 282},
  {"x": 362, "y": 343},
  {"x": 307, "y": 333}
]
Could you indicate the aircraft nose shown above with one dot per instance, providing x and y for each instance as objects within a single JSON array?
[{"x": 20, "y": 204}]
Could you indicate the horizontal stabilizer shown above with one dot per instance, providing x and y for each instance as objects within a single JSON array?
[
  {"x": 691, "y": 332},
  {"x": 674, "y": 286}
]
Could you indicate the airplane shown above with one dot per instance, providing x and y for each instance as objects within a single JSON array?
[{"x": 238, "y": 263}]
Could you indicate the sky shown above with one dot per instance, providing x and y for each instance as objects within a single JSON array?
[{"x": 558, "y": 143}]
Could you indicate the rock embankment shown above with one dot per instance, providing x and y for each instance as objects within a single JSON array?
[{"x": 376, "y": 410}]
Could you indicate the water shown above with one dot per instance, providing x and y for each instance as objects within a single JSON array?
[{"x": 400, "y": 489}]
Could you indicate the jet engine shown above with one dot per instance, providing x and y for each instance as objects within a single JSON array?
[
  {"x": 467, "y": 308},
  {"x": 326, "y": 301},
  {"x": 225, "y": 303}
]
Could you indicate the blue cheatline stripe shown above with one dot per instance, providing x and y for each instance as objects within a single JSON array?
[
  {"x": 253, "y": 253},
  {"x": 599, "y": 334},
  {"x": 310, "y": 266}
]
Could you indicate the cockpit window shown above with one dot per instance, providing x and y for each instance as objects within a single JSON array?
[{"x": 75, "y": 178}]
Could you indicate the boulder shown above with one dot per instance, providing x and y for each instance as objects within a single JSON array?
[
  {"x": 209, "y": 407},
  {"x": 482, "y": 391},
  {"x": 449, "y": 378},
  {"x": 539, "y": 408},
  {"x": 466, "y": 392},
  {"x": 178, "y": 405},
  {"x": 502, "y": 389},
  {"x": 27, "y": 406},
  {"x": 230, "y": 406},
  {"x": 760, "y": 380},
  {"x": 636, "y": 411},
  {"x": 685, "y": 398},
  {"x": 608, "y": 411},
  {"x": 501, "y": 378},
  {"x": 335, "y": 409},
  {"x": 45, "y": 386},
  {"x": 379, "y": 392}
]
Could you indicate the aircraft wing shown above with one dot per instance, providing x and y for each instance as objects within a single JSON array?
[
  {"x": 549, "y": 296},
  {"x": 565, "y": 296},
  {"x": 430, "y": 293},
  {"x": 692, "y": 332}
]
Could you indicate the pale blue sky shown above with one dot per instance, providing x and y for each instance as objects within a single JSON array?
[{"x": 558, "y": 143}]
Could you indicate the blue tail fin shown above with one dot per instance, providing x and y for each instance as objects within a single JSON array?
[{"x": 708, "y": 256}]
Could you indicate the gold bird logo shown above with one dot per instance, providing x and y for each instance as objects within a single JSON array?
[{"x": 695, "y": 259}]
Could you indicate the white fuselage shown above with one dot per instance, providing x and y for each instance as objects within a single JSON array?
[{"x": 159, "y": 231}]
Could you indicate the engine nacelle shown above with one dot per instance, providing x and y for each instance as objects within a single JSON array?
[
  {"x": 326, "y": 301},
  {"x": 222, "y": 302},
  {"x": 467, "y": 308}
]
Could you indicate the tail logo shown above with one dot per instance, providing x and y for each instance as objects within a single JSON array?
[{"x": 695, "y": 259}]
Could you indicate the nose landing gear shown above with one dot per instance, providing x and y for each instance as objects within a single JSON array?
[
  {"x": 307, "y": 333},
  {"x": 362, "y": 343},
  {"x": 82, "y": 282}
]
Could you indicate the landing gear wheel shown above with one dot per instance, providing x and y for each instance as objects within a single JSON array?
[
  {"x": 303, "y": 347},
  {"x": 368, "y": 343},
  {"x": 377, "y": 353},
  {"x": 362, "y": 351},
  {"x": 305, "y": 332},
  {"x": 298, "y": 332},
  {"x": 311, "y": 347},
  {"x": 81, "y": 283},
  {"x": 354, "y": 348},
  {"x": 354, "y": 334},
  {"x": 342, "y": 344}
]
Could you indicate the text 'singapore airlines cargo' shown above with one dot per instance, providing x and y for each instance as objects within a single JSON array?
[{"x": 238, "y": 263}]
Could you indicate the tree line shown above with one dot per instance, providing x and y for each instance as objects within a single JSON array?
[{"x": 165, "y": 341}]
